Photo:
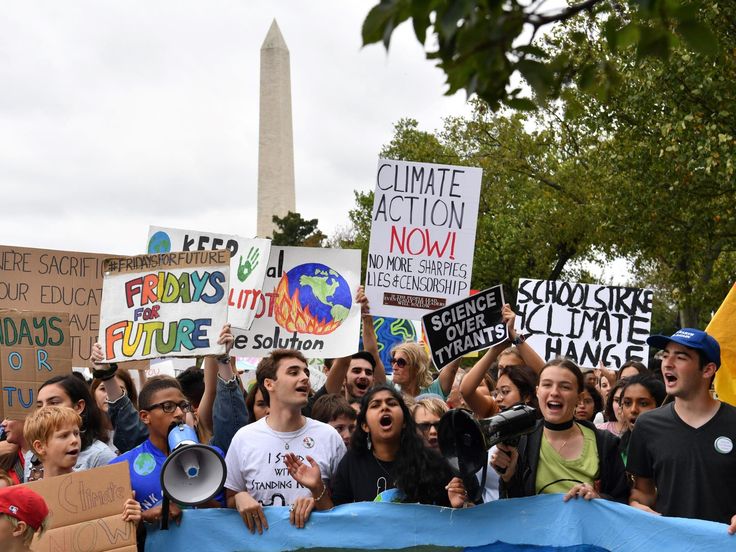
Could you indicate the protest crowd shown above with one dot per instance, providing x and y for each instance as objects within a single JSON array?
[{"x": 650, "y": 436}]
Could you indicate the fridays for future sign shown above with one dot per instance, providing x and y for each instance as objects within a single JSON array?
[
  {"x": 471, "y": 324},
  {"x": 587, "y": 323},
  {"x": 169, "y": 304},
  {"x": 248, "y": 262},
  {"x": 422, "y": 237}
]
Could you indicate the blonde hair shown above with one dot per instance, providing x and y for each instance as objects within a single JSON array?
[
  {"x": 432, "y": 405},
  {"x": 418, "y": 360},
  {"x": 40, "y": 425},
  {"x": 29, "y": 532}
]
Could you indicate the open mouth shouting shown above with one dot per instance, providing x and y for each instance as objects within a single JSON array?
[
  {"x": 73, "y": 452},
  {"x": 386, "y": 421},
  {"x": 303, "y": 389},
  {"x": 360, "y": 387},
  {"x": 670, "y": 379},
  {"x": 554, "y": 407}
]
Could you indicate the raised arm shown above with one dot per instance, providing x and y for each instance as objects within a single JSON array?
[
  {"x": 370, "y": 342},
  {"x": 528, "y": 354},
  {"x": 481, "y": 405},
  {"x": 130, "y": 431},
  {"x": 213, "y": 366},
  {"x": 447, "y": 376}
]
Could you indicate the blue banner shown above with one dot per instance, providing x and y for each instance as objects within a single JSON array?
[{"x": 540, "y": 523}]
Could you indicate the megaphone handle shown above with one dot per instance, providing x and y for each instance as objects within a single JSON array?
[
  {"x": 165, "y": 514},
  {"x": 499, "y": 469}
]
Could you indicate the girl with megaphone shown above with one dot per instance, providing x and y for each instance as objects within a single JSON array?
[{"x": 562, "y": 455}]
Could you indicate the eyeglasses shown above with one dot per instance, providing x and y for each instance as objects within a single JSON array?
[
  {"x": 170, "y": 406},
  {"x": 400, "y": 362},
  {"x": 426, "y": 426}
]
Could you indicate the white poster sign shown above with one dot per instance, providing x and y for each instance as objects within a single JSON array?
[
  {"x": 164, "y": 305},
  {"x": 422, "y": 237},
  {"x": 587, "y": 323},
  {"x": 307, "y": 303},
  {"x": 249, "y": 257}
]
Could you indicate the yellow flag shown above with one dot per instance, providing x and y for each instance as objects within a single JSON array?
[{"x": 723, "y": 328}]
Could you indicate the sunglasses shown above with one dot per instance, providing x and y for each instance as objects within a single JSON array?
[
  {"x": 426, "y": 426},
  {"x": 170, "y": 406},
  {"x": 400, "y": 362}
]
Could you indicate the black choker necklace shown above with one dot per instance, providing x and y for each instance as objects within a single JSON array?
[{"x": 558, "y": 427}]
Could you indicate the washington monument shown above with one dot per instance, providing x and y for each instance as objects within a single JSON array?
[{"x": 276, "y": 194}]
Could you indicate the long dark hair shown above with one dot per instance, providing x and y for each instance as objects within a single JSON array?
[
  {"x": 420, "y": 473},
  {"x": 93, "y": 426}
]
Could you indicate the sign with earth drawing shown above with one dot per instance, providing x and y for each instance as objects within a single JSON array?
[
  {"x": 248, "y": 260},
  {"x": 307, "y": 303}
]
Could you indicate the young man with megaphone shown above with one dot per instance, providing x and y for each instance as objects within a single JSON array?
[
  {"x": 256, "y": 473},
  {"x": 162, "y": 406}
]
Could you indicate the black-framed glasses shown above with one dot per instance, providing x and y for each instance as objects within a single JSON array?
[
  {"x": 170, "y": 406},
  {"x": 400, "y": 362},
  {"x": 424, "y": 427}
]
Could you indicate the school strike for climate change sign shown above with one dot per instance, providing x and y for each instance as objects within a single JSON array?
[
  {"x": 587, "y": 323},
  {"x": 469, "y": 325},
  {"x": 422, "y": 237},
  {"x": 170, "y": 304},
  {"x": 34, "y": 347},
  {"x": 249, "y": 257}
]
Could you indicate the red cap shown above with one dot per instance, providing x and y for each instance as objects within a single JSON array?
[{"x": 24, "y": 505}]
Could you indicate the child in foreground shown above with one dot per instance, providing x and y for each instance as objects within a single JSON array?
[
  {"x": 23, "y": 513},
  {"x": 54, "y": 435}
]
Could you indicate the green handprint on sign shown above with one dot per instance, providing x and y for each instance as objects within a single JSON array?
[{"x": 246, "y": 268}]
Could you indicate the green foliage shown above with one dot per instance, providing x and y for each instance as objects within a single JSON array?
[
  {"x": 667, "y": 132},
  {"x": 482, "y": 45},
  {"x": 294, "y": 230}
]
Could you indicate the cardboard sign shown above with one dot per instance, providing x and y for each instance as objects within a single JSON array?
[
  {"x": 469, "y": 325},
  {"x": 169, "y": 304},
  {"x": 422, "y": 237},
  {"x": 86, "y": 509},
  {"x": 45, "y": 280},
  {"x": 307, "y": 303},
  {"x": 34, "y": 347},
  {"x": 249, "y": 257},
  {"x": 587, "y": 323}
]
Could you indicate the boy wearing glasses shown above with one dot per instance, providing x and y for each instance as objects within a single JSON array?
[{"x": 161, "y": 404}]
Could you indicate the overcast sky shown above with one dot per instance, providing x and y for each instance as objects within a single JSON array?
[{"x": 117, "y": 115}]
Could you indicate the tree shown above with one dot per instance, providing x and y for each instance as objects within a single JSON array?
[
  {"x": 294, "y": 230},
  {"x": 482, "y": 45},
  {"x": 667, "y": 134}
]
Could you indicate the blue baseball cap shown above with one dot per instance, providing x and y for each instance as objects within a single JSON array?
[{"x": 692, "y": 338}]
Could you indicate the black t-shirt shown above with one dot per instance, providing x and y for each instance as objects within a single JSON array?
[
  {"x": 360, "y": 478},
  {"x": 694, "y": 470}
]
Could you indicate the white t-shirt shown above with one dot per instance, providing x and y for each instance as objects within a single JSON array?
[
  {"x": 255, "y": 459},
  {"x": 490, "y": 490}
]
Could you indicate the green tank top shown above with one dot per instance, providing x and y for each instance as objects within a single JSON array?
[{"x": 555, "y": 474}]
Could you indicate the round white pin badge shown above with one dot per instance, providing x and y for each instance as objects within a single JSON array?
[{"x": 724, "y": 445}]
